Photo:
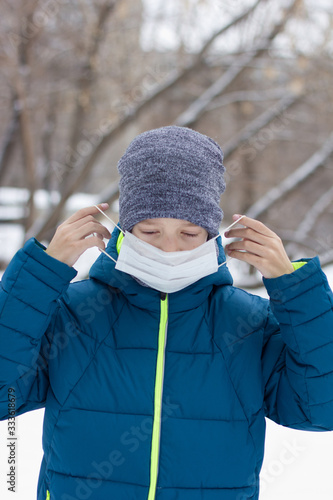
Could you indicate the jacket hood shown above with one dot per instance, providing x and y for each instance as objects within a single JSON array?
[{"x": 145, "y": 297}]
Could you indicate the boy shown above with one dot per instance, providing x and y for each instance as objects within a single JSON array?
[{"x": 156, "y": 373}]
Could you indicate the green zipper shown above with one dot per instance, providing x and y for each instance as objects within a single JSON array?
[
  {"x": 155, "y": 446},
  {"x": 47, "y": 495},
  {"x": 156, "y": 435}
]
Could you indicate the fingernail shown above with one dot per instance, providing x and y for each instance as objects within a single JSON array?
[
  {"x": 226, "y": 233},
  {"x": 104, "y": 205},
  {"x": 236, "y": 216}
]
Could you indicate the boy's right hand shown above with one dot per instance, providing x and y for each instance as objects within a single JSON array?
[{"x": 70, "y": 239}]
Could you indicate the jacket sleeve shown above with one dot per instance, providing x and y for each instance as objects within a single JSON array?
[
  {"x": 29, "y": 291},
  {"x": 297, "y": 356}
]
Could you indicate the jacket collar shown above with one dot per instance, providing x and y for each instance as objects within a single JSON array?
[{"x": 145, "y": 297}]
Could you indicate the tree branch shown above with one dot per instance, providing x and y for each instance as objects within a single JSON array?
[
  {"x": 223, "y": 82},
  {"x": 198, "y": 107},
  {"x": 224, "y": 29},
  {"x": 28, "y": 146},
  {"x": 302, "y": 233},
  {"x": 259, "y": 123},
  {"x": 86, "y": 80},
  {"x": 50, "y": 219},
  {"x": 247, "y": 96},
  {"x": 293, "y": 180},
  {"x": 312, "y": 215},
  {"x": 9, "y": 140}
]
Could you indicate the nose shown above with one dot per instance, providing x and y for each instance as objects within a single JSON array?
[{"x": 169, "y": 244}]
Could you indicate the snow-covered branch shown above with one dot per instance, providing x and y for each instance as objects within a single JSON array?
[
  {"x": 293, "y": 180},
  {"x": 74, "y": 181},
  {"x": 259, "y": 123}
]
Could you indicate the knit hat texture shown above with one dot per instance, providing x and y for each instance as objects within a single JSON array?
[{"x": 172, "y": 172}]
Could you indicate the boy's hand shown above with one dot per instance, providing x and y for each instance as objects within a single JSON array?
[
  {"x": 70, "y": 239},
  {"x": 260, "y": 247}
]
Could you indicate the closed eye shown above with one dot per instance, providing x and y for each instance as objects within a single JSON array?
[{"x": 191, "y": 235}]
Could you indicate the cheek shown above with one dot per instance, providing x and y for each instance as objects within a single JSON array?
[
  {"x": 137, "y": 233},
  {"x": 195, "y": 242}
]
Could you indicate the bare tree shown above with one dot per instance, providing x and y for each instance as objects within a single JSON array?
[{"x": 78, "y": 83}]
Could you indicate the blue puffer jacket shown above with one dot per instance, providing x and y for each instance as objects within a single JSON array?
[{"x": 152, "y": 396}]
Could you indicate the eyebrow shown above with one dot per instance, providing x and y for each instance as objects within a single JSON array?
[{"x": 151, "y": 222}]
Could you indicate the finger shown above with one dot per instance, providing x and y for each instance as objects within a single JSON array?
[
  {"x": 91, "y": 242},
  {"x": 237, "y": 219},
  {"x": 90, "y": 228},
  {"x": 249, "y": 258},
  {"x": 99, "y": 236},
  {"x": 88, "y": 219},
  {"x": 256, "y": 225},
  {"x": 247, "y": 233},
  {"x": 247, "y": 246},
  {"x": 83, "y": 212}
]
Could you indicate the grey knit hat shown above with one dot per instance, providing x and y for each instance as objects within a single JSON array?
[{"x": 172, "y": 172}]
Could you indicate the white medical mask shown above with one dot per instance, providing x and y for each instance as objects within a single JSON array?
[{"x": 167, "y": 272}]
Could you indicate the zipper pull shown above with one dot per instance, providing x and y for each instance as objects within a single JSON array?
[{"x": 163, "y": 295}]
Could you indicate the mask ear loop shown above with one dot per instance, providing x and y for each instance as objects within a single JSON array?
[
  {"x": 112, "y": 220},
  {"x": 227, "y": 229},
  {"x": 103, "y": 251},
  {"x": 100, "y": 249}
]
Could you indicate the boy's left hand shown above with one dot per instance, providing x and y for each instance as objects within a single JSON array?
[{"x": 260, "y": 247}]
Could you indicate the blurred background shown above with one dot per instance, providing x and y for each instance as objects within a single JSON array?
[{"x": 81, "y": 78}]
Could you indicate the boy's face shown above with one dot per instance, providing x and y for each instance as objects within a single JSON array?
[{"x": 170, "y": 235}]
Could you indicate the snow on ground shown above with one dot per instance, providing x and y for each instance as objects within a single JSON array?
[{"x": 297, "y": 464}]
